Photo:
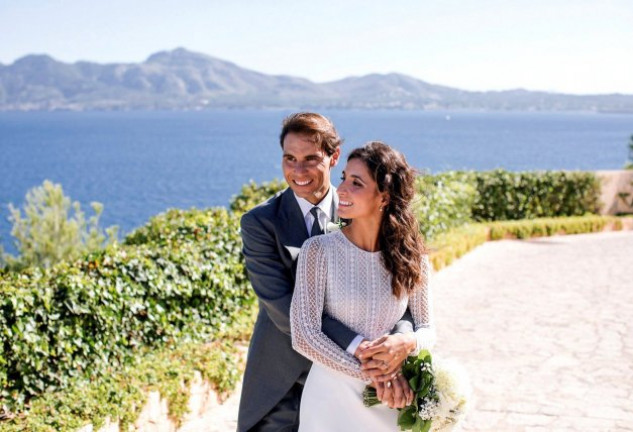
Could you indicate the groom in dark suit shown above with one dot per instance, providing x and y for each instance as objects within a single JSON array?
[{"x": 273, "y": 233}]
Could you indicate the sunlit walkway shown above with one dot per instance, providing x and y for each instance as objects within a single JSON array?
[{"x": 544, "y": 327}]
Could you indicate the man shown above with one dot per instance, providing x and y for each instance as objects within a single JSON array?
[{"x": 273, "y": 233}]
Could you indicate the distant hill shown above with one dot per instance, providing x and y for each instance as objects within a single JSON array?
[{"x": 182, "y": 79}]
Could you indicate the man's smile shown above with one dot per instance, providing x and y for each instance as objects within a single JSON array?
[{"x": 302, "y": 183}]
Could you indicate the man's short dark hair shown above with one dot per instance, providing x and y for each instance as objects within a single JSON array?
[{"x": 319, "y": 129}]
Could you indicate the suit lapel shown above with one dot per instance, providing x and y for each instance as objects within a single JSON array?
[{"x": 292, "y": 230}]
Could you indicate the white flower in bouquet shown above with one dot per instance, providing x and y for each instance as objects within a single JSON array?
[{"x": 453, "y": 390}]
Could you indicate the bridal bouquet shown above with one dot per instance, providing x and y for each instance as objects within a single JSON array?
[{"x": 441, "y": 394}]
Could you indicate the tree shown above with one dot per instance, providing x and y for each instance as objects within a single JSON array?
[{"x": 54, "y": 229}]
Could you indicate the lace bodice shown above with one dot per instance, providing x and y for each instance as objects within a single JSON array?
[{"x": 352, "y": 286}]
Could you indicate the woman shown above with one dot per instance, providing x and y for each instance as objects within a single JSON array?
[{"x": 365, "y": 276}]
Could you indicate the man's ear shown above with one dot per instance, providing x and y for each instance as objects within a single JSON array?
[{"x": 335, "y": 156}]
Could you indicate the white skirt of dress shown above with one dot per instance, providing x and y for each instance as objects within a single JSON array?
[{"x": 333, "y": 402}]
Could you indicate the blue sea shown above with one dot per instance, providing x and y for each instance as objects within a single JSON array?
[{"x": 139, "y": 164}]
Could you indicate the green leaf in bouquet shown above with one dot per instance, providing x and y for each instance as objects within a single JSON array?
[
  {"x": 421, "y": 425},
  {"x": 426, "y": 386},
  {"x": 425, "y": 355},
  {"x": 407, "y": 417},
  {"x": 414, "y": 383},
  {"x": 410, "y": 365},
  {"x": 427, "y": 426}
]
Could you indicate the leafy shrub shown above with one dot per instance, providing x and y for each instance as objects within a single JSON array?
[
  {"x": 444, "y": 201},
  {"x": 552, "y": 226},
  {"x": 54, "y": 229},
  {"x": 504, "y": 195},
  {"x": 179, "y": 278},
  {"x": 122, "y": 394},
  {"x": 451, "y": 199},
  {"x": 449, "y": 246},
  {"x": 253, "y": 194}
]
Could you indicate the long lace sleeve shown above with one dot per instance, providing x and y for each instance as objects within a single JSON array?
[
  {"x": 306, "y": 311},
  {"x": 420, "y": 305}
]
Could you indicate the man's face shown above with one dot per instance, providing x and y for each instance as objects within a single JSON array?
[{"x": 306, "y": 167}]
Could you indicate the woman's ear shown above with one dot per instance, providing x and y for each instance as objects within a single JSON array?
[{"x": 385, "y": 200}]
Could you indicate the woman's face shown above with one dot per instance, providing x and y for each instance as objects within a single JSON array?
[{"x": 358, "y": 192}]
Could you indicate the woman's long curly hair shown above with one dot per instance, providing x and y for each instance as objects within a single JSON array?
[{"x": 400, "y": 240}]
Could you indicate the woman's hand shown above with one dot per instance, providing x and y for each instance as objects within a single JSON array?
[
  {"x": 382, "y": 358},
  {"x": 395, "y": 393}
]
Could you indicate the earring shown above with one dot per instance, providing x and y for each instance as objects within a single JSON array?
[{"x": 381, "y": 208}]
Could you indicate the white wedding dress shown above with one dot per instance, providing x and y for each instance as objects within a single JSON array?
[{"x": 351, "y": 285}]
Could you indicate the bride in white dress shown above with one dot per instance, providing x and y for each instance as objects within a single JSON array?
[{"x": 365, "y": 276}]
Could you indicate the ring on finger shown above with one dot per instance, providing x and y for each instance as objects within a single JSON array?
[{"x": 388, "y": 384}]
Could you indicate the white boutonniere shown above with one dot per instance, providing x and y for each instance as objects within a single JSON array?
[{"x": 335, "y": 226}]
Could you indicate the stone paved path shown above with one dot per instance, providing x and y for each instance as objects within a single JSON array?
[{"x": 545, "y": 329}]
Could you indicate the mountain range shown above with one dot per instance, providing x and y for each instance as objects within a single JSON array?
[{"x": 183, "y": 80}]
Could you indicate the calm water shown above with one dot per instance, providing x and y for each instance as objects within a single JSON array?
[{"x": 140, "y": 163}]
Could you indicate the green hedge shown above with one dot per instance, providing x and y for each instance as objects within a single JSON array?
[
  {"x": 181, "y": 277},
  {"x": 254, "y": 193},
  {"x": 122, "y": 394},
  {"x": 551, "y": 226},
  {"x": 449, "y": 246},
  {"x": 443, "y": 201},
  {"x": 505, "y": 195}
]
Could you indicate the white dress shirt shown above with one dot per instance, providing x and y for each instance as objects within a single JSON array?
[{"x": 325, "y": 206}]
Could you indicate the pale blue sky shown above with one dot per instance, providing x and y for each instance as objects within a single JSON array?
[{"x": 572, "y": 46}]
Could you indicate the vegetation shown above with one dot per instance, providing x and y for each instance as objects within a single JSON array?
[
  {"x": 121, "y": 395},
  {"x": 551, "y": 226},
  {"x": 253, "y": 194},
  {"x": 449, "y": 246},
  {"x": 54, "y": 229},
  {"x": 180, "y": 278},
  {"x": 505, "y": 195},
  {"x": 444, "y": 201}
]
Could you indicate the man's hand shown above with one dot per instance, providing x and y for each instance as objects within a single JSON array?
[
  {"x": 395, "y": 393},
  {"x": 382, "y": 358},
  {"x": 361, "y": 348}
]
